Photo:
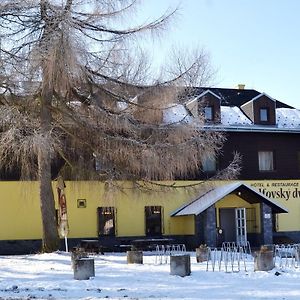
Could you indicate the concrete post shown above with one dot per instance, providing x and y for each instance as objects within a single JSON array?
[
  {"x": 266, "y": 224},
  {"x": 84, "y": 268},
  {"x": 180, "y": 265},
  {"x": 210, "y": 226},
  {"x": 135, "y": 257}
]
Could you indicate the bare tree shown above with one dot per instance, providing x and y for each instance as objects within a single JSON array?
[{"x": 75, "y": 97}]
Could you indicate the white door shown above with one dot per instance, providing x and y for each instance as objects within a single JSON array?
[{"x": 241, "y": 228}]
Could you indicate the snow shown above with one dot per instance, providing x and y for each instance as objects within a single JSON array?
[
  {"x": 233, "y": 116},
  {"x": 176, "y": 113},
  {"x": 288, "y": 117},
  {"x": 49, "y": 276},
  {"x": 123, "y": 105}
]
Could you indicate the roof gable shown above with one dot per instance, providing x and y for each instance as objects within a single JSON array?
[
  {"x": 203, "y": 94},
  {"x": 213, "y": 196},
  {"x": 259, "y": 96},
  {"x": 229, "y": 97}
]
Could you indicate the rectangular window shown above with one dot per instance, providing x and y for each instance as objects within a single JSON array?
[
  {"x": 208, "y": 113},
  {"x": 298, "y": 160},
  {"x": 251, "y": 220},
  {"x": 264, "y": 114},
  {"x": 209, "y": 164},
  {"x": 106, "y": 217},
  {"x": 153, "y": 220},
  {"x": 266, "y": 160}
]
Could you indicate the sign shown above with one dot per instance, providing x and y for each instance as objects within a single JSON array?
[
  {"x": 63, "y": 226},
  {"x": 285, "y": 190}
]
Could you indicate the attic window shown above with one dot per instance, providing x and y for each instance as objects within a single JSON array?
[
  {"x": 264, "y": 114},
  {"x": 208, "y": 113},
  {"x": 209, "y": 164}
]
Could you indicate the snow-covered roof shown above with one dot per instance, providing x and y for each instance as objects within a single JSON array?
[
  {"x": 288, "y": 118},
  {"x": 123, "y": 105},
  {"x": 233, "y": 116},
  {"x": 176, "y": 113},
  {"x": 213, "y": 196}
]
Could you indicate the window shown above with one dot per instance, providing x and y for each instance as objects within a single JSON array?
[
  {"x": 208, "y": 113},
  {"x": 106, "y": 217},
  {"x": 264, "y": 115},
  {"x": 298, "y": 160},
  {"x": 209, "y": 164},
  {"x": 266, "y": 160},
  {"x": 251, "y": 220},
  {"x": 275, "y": 222},
  {"x": 97, "y": 165},
  {"x": 153, "y": 220}
]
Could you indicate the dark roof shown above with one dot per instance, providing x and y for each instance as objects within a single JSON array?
[{"x": 232, "y": 97}]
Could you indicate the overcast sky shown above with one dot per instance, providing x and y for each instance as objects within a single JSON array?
[{"x": 254, "y": 42}]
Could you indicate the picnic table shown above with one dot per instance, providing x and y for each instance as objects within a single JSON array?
[
  {"x": 150, "y": 243},
  {"x": 91, "y": 246}
]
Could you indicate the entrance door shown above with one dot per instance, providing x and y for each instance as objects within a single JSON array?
[
  {"x": 233, "y": 224},
  {"x": 241, "y": 229},
  {"x": 227, "y": 223},
  {"x": 153, "y": 220}
]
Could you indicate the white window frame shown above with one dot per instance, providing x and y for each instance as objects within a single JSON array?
[
  {"x": 264, "y": 114},
  {"x": 208, "y": 113},
  {"x": 266, "y": 161},
  {"x": 209, "y": 164}
]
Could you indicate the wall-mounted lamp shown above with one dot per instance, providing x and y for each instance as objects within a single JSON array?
[{"x": 81, "y": 203}]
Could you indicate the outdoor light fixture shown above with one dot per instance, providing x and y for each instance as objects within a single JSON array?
[{"x": 81, "y": 203}]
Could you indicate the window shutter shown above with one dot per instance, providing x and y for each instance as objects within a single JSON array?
[
  {"x": 162, "y": 220},
  {"x": 116, "y": 222}
]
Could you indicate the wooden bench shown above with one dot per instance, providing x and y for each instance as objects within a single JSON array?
[
  {"x": 150, "y": 243},
  {"x": 91, "y": 246}
]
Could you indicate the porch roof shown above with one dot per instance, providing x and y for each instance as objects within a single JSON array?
[{"x": 211, "y": 197}]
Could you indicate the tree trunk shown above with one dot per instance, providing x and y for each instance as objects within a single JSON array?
[{"x": 50, "y": 232}]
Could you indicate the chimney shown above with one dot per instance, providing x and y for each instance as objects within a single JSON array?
[{"x": 241, "y": 86}]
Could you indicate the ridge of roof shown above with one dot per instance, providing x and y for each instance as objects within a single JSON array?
[{"x": 232, "y": 97}]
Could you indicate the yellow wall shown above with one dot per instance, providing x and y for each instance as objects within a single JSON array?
[
  {"x": 287, "y": 193},
  {"x": 21, "y": 219},
  {"x": 20, "y": 211},
  {"x": 233, "y": 201}
]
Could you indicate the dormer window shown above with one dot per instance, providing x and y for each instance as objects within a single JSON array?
[
  {"x": 209, "y": 164},
  {"x": 261, "y": 110},
  {"x": 209, "y": 113},
  {"x": 264, "y": 114}
]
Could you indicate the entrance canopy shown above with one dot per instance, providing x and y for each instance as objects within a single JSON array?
[{"x": 211, "y": 197}]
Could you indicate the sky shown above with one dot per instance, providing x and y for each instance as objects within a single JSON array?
[{"x": 251, "y": 42}]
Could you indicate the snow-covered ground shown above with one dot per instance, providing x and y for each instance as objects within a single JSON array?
[{"x": 50, "y": 276}]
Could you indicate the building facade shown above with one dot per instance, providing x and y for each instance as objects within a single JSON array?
[{"x": 261, "y": 207}]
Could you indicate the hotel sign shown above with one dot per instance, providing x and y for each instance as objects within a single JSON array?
[{"x": 285, "y": 190}]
